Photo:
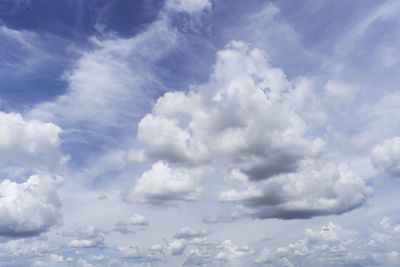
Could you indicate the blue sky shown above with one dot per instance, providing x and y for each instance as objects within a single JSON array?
[{"x": 199, "y": 133}]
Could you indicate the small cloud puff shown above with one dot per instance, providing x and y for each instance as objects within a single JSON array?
[
  {"x": 163, "y": 185},
  {"x": 387, "y": 156}
]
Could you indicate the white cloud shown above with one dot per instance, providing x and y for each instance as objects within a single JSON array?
[
  {"x": 190, "y": 6},
  {"x": 98, "y": 257},
  {"x": 84, "y": 263},
  {"x": 29, "y": 208},
  {"x": 107, "y": 80},
  {"x": 134, "y": 220},
  {"x": 237, "y": 256},
  {"x": 90, "y": 237},
  {"x": 191, "y": 233},
  {"x": 23, "y": 247},
  {"x": 315, "y": 190},
  {"x": 33, "y": 144},
  {"x": 56, "y": 258},
  {"x": 387, "y": 156},
  {"x": 176, "y": 247},
  {"x": 136, "y": 255},
  {"x": 162, "y": 185},
  {"x": 243, "y": 116},
  {"x": 246, "y": 120},
  {"x": 334, "y": 245}
]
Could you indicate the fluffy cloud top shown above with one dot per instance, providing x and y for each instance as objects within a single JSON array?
[
  {"x": 134, "y": 220},
  {"x": 334, "y": 245},
  {"x": 33, "y": 144},
  {"x": 162, "y": 185},
  {"x": 243, "y": 117},
  {"x": 246, "y": 120},
  {"x": 29, "y": 208},
  {"x": 312, "y": 191},
  {"x": 88, "y": 238}
]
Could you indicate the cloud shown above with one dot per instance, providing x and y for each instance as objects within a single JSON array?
[
  {"x": 134, "y": 220},
  {"x": 176, "y": 247},
  {"x": 387, "y": 156},
  {"x": 315, "y": 190},
  {"x": 234, "y": 254},
  {"x": 29, "y": 208},
  {"x": 27, "y": 54},
  {"x": 133, "y": 253},
  {"x": 90, "y": 237},
  {"x": 246, "y": 121},
  {"x": 20, "y": 248},
  {"x": 334, "y": 245},
  {"x": 330, "y": 246},
  {"x": 162, "y": 185},
  {"x": 243, "y": 117},
  {"x": 191, "y": 233},
  {"x": 189, "y": 6},
  {"x": 29, "y": 147},
  {"x": 33, "y": 144}
]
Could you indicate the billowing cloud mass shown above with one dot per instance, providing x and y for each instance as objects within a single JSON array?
[
  {"x": 246, "y": 120},
  {"x": 387, "y": 156},
  {"x": 29, "y": 208},
  {"x": 90, "y": 237},
  {"x": 33, "y": 144},
  {"x": 134, "y": 220},
  {"x": 199, "y": 133},
  {"x": 191, "y": 233},
  {"x": 105, "y": 81},
  {"x": 333, "y": 245},
  {"x": 312, "y": 191},
  {"x": 162, "y": 185},
  {"x": 243, "y": 117}
]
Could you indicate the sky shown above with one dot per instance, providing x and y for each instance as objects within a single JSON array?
[{"x": 199, "y": 133}]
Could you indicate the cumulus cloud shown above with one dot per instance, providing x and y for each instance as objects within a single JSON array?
[
  {"x": 330, "y": 246},
  {"x": 176, "y": 247},
  {"x": 334, "y": 245},
  {"x": 33, "y": 144},
  {"x": 22, "y": 247},
  {"x": 243, "y": 117},
  {"x": 29, "y": 208},
  {"x": 90, "y": 237},
  {"x": 315, "y": 190},
  {"x": 387, "y": 156},
  {"x": 134, "y": 220},
  {"x": 162, "y": 185},
  {"x": 233, "y": 254},
  {"x": 246, "y": 120}
]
